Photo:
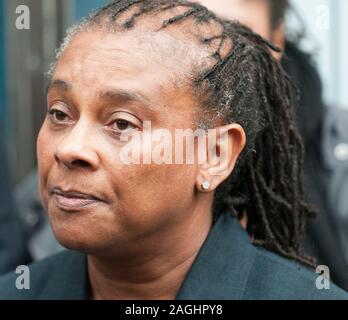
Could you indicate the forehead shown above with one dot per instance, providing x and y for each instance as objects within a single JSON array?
[
  {"x": 156, "y": 67},
  {"x": 109, "y": 53},
  {"x": 131, "y": 56}
]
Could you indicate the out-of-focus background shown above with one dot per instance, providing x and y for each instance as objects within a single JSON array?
[
  {"x": 25, "y": 55},
  {"x": 326, "y": 26}
]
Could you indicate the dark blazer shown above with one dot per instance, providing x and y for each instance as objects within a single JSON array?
[{"x": 228, "y": 266}]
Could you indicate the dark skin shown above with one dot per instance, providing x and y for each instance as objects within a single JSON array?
[{"x": 139, "y": 245}]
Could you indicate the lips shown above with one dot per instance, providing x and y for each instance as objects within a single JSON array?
[{"x": 72, "y": 200}]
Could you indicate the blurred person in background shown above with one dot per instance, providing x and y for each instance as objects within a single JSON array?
[
  {"x": 324, "y": 129},
  {"x": 39, "y": 239},
  {"x": 25, "y": 234},
  {"x": 12, "y": 247}
]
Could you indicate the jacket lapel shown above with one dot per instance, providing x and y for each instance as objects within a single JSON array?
[
  {"x": 221, "y": 268},
  {"x": 70, "y": 281}
]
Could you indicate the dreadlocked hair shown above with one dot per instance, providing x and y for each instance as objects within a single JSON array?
[{"x": 241, "y": 84}]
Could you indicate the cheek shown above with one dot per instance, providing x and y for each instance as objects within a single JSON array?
[
  {"x": 44, "y": 149},
  {"x": 45, "y": 157},
  {"x": 152, "y": 189},
  {"x": 150, "y": 193},
  {"x": 152, "y": 186}
]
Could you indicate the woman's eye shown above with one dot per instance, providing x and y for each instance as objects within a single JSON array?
[
  {"x": 58, "y": 116},
  {"x": 123, "y": 125}
]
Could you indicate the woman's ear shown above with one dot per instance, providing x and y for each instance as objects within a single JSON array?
[{"x": 225, "y": 144}]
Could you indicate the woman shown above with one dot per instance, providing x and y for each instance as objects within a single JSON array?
[{"x": 168, "y": 230}]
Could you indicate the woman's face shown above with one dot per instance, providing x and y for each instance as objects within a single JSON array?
[{"x": 105, "y": 85}]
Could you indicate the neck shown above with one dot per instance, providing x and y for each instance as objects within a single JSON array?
[{"x": 159, "y": 269}]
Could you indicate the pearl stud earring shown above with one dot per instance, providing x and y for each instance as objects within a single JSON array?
[{"x": 205, "y": 185}]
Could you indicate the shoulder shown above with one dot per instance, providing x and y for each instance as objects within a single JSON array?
[
  {"x": 42, "y": 279},
  {"x": 274, "y": 277}
]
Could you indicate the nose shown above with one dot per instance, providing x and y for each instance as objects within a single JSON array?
[{"x": 77, "y": 149}]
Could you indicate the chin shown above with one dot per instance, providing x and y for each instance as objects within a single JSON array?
[
  {"x": 74, "y": 241},
  {"x": 86, "y": 232},
  {"x": 79, "y": 238}
]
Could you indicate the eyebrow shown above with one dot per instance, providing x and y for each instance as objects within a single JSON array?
[
  {"x": 59, "y": 84},
  {"x": 109, "y": 93},
  {"x": 125, "y": 95},
  {"x": 114, "y": 94}
]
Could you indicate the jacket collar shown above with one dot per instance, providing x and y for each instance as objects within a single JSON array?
[
  {"x": 221, "y": 268},
  {"x": 70, "y": 281}
]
